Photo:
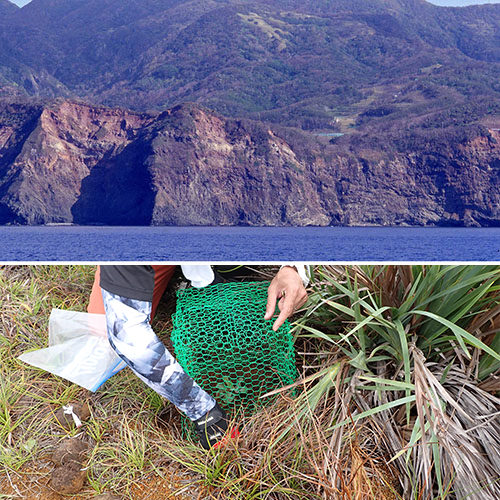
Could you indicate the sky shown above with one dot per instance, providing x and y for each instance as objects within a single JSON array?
[{"x": 447, "y": 3}]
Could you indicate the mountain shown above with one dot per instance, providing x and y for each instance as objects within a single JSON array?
[
  {"x": 71, "y": 162},
  {"x": 302, "y": 63}
]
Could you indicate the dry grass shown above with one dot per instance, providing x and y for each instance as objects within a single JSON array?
[{"x": 286, "y": 454}]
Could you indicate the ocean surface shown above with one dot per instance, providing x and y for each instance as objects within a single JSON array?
[{"x": 256, "y": 244}]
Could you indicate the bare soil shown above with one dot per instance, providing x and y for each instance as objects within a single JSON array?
[
  {"x": 35, "y": 484},
  {"x": 63, "y": 473}
]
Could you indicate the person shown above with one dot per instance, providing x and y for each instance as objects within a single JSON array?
[{"x": 129, "y": 296}]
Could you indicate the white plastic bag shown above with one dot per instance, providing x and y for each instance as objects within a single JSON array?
[{"x": 78, "y": 351}]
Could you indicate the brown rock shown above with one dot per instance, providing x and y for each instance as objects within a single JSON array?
[
  {"x": 70, "y": 451},
  {"x": 74, "y": 163},
  {"x": 106, "y": 496},
  {"x": 82, "y": 411},
  {"x": 68, "y": 479}
]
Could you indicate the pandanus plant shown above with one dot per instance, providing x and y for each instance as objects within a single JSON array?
[{"x": 410, "y": 357}]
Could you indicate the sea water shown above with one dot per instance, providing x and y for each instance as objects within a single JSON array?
[{"x": 256, "y": 244}]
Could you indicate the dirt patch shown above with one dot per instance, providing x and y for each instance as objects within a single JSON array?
[
  {"x": 152, "y": 489},
  {"x": 62, "y": 473},
  {"x": 47, "y": 494},
  {"x": 33, "y": 483}
]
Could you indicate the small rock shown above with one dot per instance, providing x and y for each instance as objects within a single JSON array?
[
  {"x": 106, "y": 496},
  {"x": 70, "y": 450},
  {"x": 68, "y": 479},
  {"x": 81, "y": 410}
]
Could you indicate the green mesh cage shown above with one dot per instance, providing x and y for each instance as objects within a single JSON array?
[{"x": 221, "y": 339}]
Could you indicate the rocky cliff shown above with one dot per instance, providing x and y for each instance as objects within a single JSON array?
[{"x": 71, "y": 162}]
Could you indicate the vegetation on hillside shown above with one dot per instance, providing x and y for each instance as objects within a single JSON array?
[{"x": 314, "y": 65}]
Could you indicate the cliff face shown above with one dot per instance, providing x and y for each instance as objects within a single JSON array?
[
  {"x": 207, "y": 170},
  {"x": 71, "y": 162},
  {"x": 50, "y": 155},
  {"x": 457, "y": 185}
]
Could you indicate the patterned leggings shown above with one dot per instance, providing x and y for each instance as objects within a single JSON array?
[{"x": 131, "y": 336}]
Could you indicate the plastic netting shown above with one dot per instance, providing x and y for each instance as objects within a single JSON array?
[{"x": 221, "y": 339}]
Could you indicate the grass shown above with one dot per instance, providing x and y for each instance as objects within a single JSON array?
[{"x": 398, "y": 397}]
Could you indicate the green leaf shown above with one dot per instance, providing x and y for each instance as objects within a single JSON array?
[
  {"x": 374, "y": 411},
  {"x": 489, "y": 364},
  {"x": 316, "y": 333},
  {"x": 359, "y": 361},
  {"x": 437, "y": 462},
  {"x": 460, "y": 334},
  {"x": 388, "y": 384}
]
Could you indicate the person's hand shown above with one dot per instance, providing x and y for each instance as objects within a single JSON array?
[{"x": 288, "y": 289}]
